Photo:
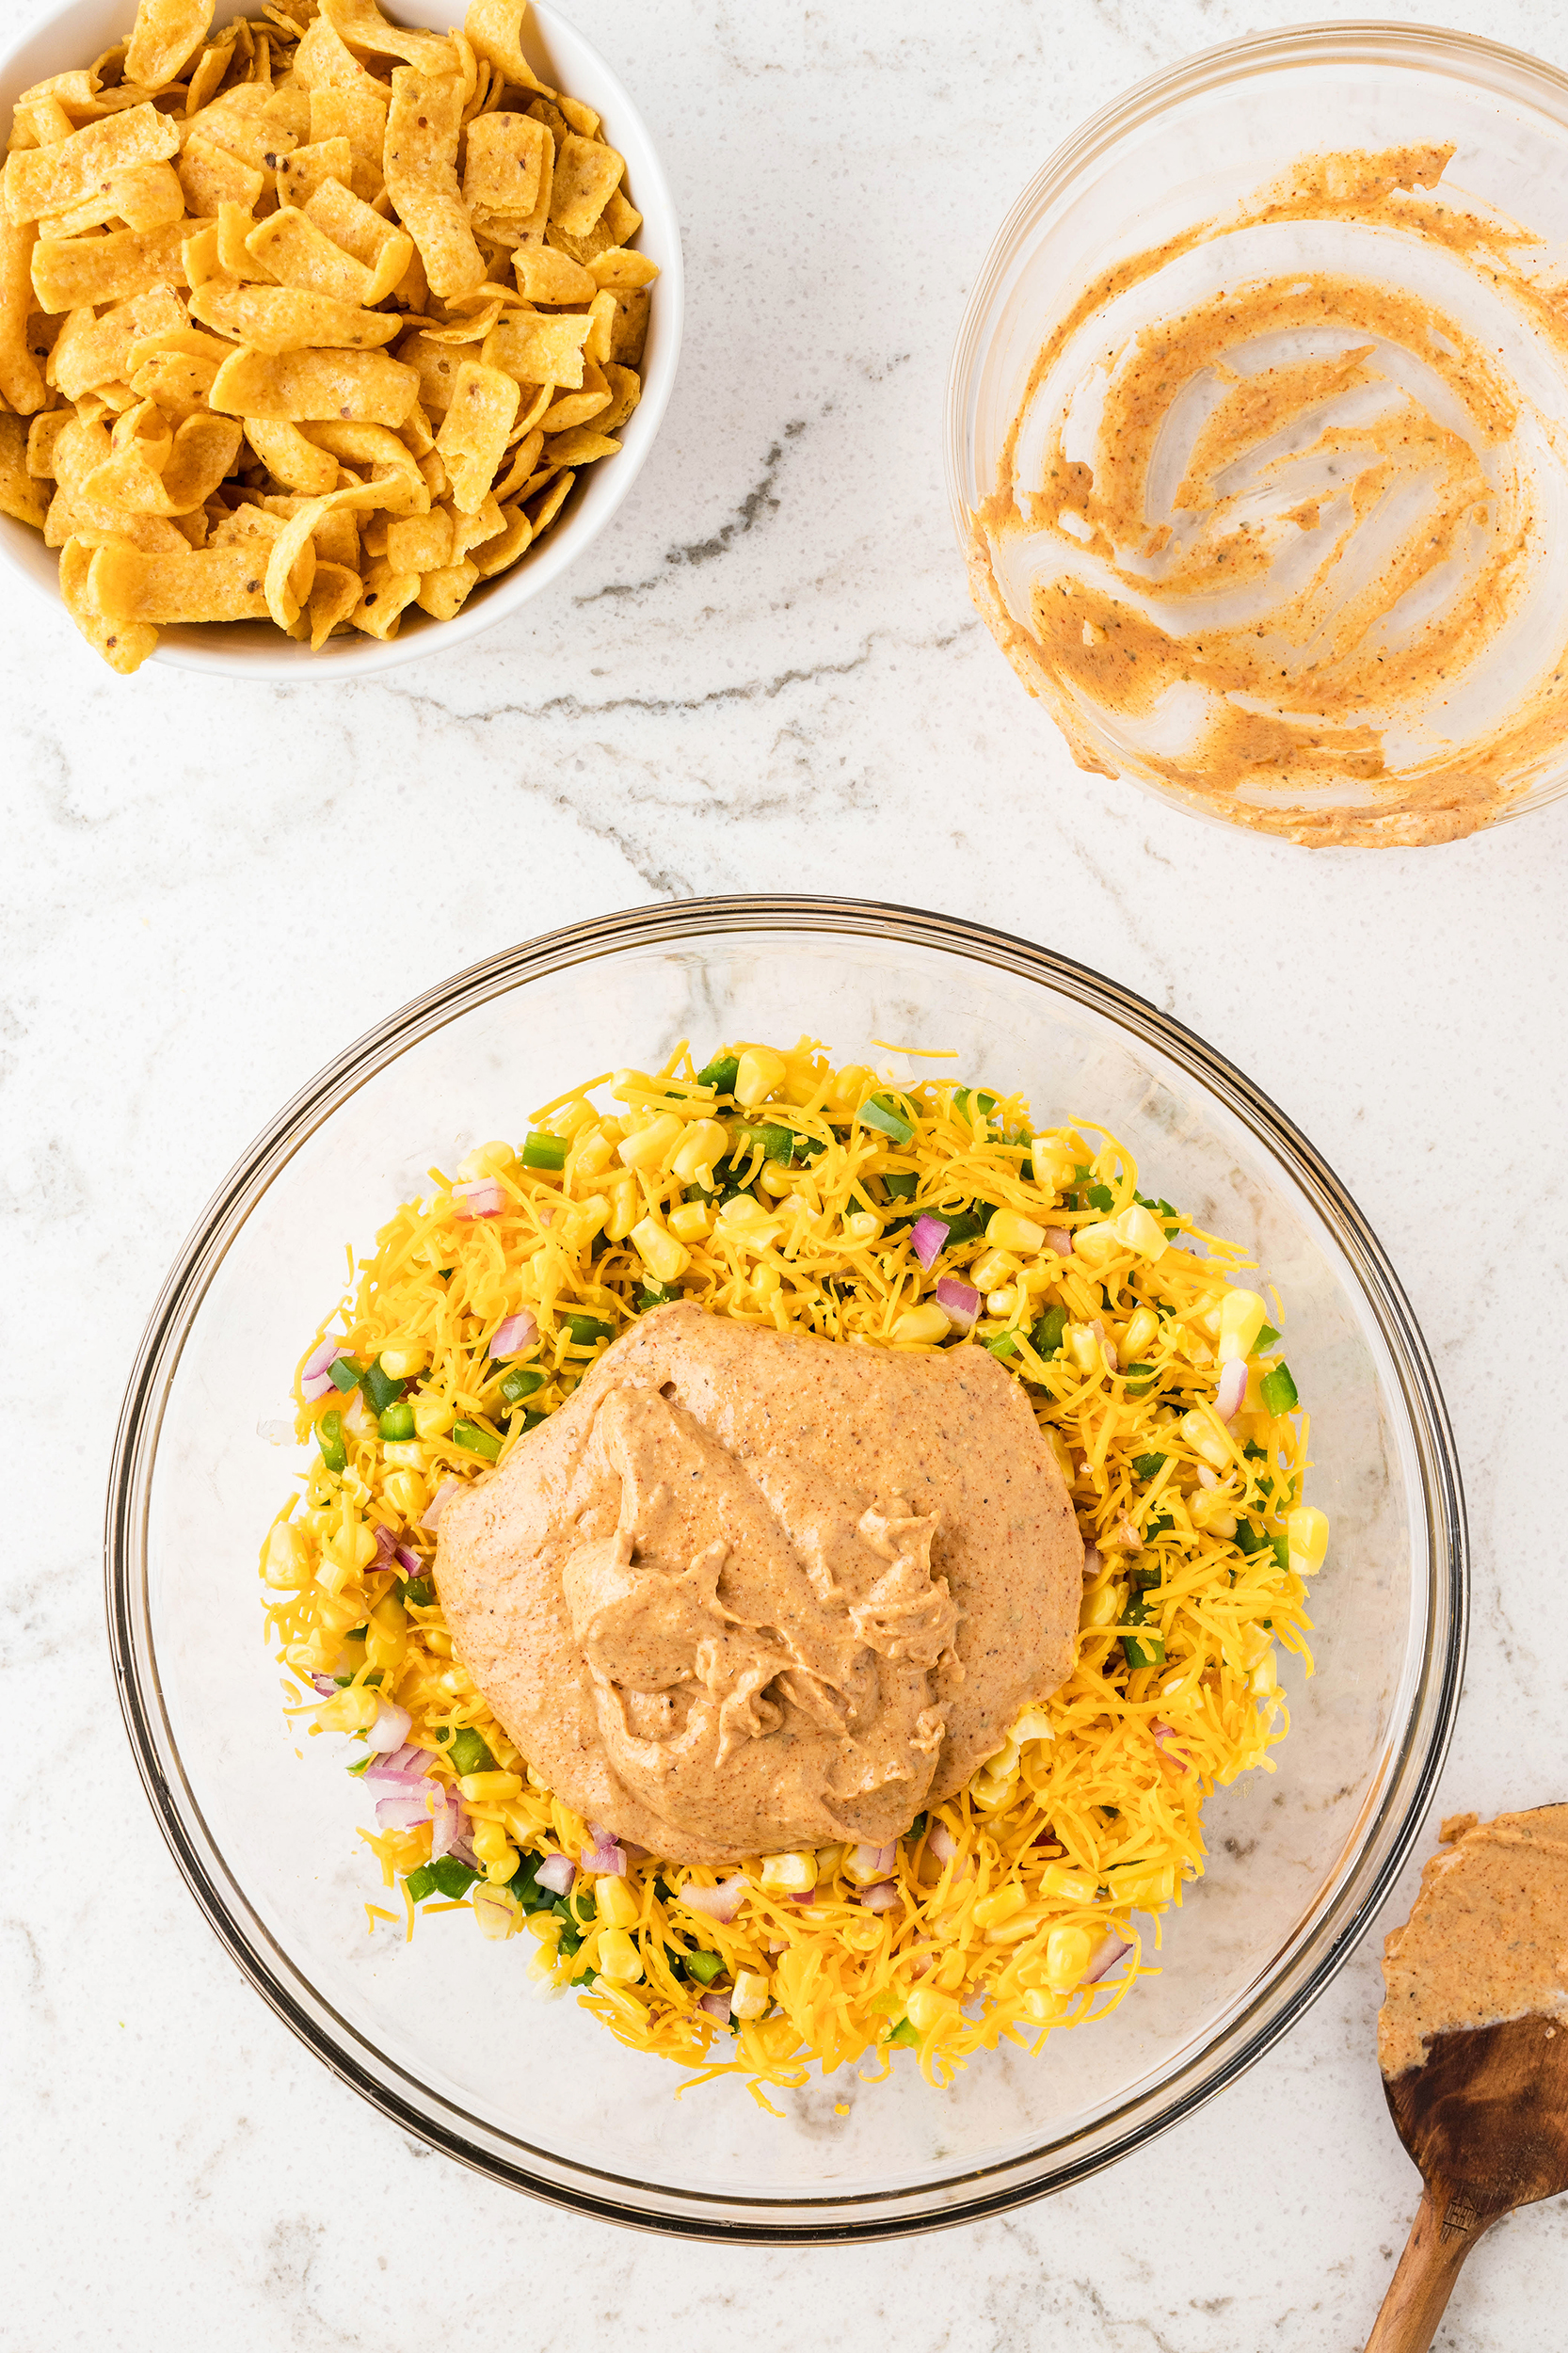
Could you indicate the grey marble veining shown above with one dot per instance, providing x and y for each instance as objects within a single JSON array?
[{"x": 766, "y": 675}]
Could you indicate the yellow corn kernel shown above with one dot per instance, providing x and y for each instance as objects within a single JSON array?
[
  {"x": 692, "y": 1222},
  {"x": 401, "y": 1364},
  {"x": 1042, "y": 2008},
  {"x": 1031, "y": 1724},
  {"x": 662, "y": 1256},
  {"x": 486, "y": 1159},
  {"x": 406, "y": 1492},
  {"x": 1063, "y": 1454},
  {"x": 1097, "y": 1244},
  {"x": 336, "y": 1613},
  {"x": 1067, "y": 1952},
  {"x": 991, "y": 1791},
  {"x": 1263, "y": 1680},
  {"x": 1007, "y": 1230},
  {"x": 777, "y": 1181},
  {"x": 829, "y": 1860},
  {"x": 1207, "y": 1439},
  {"x": 1083, "y": 1347},
  {"x": 789, "y": 1874},
  {"x": 491, "y": 1789},
  {"x": 1241, "y": 1318},
  {"x": 693, "y": 1158},
  {"x": 760, "y": 1072},
  {"x": 1210, "y": 1506},
  {"x": 354, "y": 1709},
  {"x": 861, "y": 1225},
  {"x": 990, "y": 1911},
  {"x": 1306, "y": 1535},
  {"x": 646, "y": 1147},
  {"x": 497, "y": 1911},
  {"x": 585, "y": 1218},
  {"x": 743, "y": 1210},
  {"x": 625, "y": 1201},
  {"x": 616, "y": 1901},
  {"x": 992, "y": 1268},
  {"x": 384, "y": 1642},
  {"x": 1137, "y": 1883},
  {"x": 618, "y": 1958},
  {"x": 409, "y": 1456},
  {"x": 1141, "y": 1233},
  {"x": 500, "y": 1867},
  {"x": 288, "y": 1557},
  {"x": 592, "y": 1156},
  {"x": 924, "y": 1325},
  {"x": 751, "y": 1994},
  {"x": 846, "y": 1086},
  {"x": 491, "y": 1840},
  {"x": 546, "y": 1926},
  {"x": 925, "y": 2008},
  {"x": 767, "y": 1282},
  {"x": 433, "y": 1417},
  {"x": 1058, "y": 1880},
  {"x": 1000, "y": 1304},
  {"x": 1102, "y": 1606},
  {"x": 1142, "y": 1332},
  {"x": 438, "y": 1641},
  {"x": 1020, "y": 1927},
  {"x": 1054, "y": 1165},
  {"x": 351, "y": 1548}
]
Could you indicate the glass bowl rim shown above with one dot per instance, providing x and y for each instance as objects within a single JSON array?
[
  {"x": 1336, "y": 1927},
  {"x": 1380, "y": 38}
]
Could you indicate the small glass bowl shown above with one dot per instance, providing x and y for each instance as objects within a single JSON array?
[
  {"x": 1182, "y": 148},
  {"x": 441, "y": 2034}
]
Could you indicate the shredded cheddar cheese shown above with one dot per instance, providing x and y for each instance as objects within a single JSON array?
[{"x": 775, "y": 1188}]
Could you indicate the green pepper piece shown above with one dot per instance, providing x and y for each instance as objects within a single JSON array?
[
  {"x": 329, "y": 1438},
  {"x": 419, "y": 1590},
  {"x": 379, "y": 1386},
  {"x": 1248, "y": 1538},
  {"x": 587, "y": 1331},
  {"x": 878, "y": 1112},
  {"x": 705, "y": 1967},
  {"x": 1144, "y": 1650},
  {"x": 1101, "y": 1197},
  {"x": 1280, "y": 1548},
  {"x": 474, "y": 1440},
  {"x": 521, "y": 1381},
  {"x": 778, "y": 1143},
  {"x": 985, "y": 1104},
  {"x": 655, "y": 1295},
  {"x": 1002, "y": 1344},
  {"x": 721, "y": 1073},
  {"x": 900, "y": 1184},
  {"x": 1050, "y": 1332},
  {"x": 1148, "y": 1466},
  {"x": 453, "y": 1878},
  {"x": 543, "y": 1150},
  {"x": 918, "y": 1827},
  {"x": 905, "y": 2032},
  {"x": 1278, "y": 1390},
  {"x": 1265, "y": 1340},
  {"x": 421, "y": 1883},
  {"x": 396, "y": 1424},
  {"x": 344, "y": 1373},
  {"x": 468, "y": 1752}
]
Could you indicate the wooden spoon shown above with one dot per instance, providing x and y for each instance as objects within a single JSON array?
[{"x": 1486, "y": 2121}]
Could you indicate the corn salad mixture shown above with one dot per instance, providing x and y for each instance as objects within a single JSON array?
[{"x": 771, "y": 1187}]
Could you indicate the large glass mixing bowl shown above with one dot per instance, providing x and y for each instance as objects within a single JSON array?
[{"x": 444, "y": 2034}]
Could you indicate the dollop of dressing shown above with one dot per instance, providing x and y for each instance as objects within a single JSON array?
[
  {"x": 748, "y": 1590},
  {"x": 1487, "y": 1937},
  {"x": 1277, "y": 518}
]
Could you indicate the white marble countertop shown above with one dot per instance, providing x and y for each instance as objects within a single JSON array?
[{"x": 766, "y": 675}]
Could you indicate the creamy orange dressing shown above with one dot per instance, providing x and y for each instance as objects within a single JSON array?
[
  {"x": 748, "y": 1590},
  {"x": 1273, "y": 519},
  {"x": 1487, "y": 1938}
]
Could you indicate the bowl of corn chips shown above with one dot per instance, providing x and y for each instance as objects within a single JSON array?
[{"x": 325, "y": 340}]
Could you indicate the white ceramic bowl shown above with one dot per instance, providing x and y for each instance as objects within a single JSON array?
[{"x": 74, "y": 36}]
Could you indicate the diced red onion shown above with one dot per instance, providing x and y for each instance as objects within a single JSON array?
[
  {"x": 873, "y": 1862},
  {"x": 557, "y": 1872},
  {"x": 325, "y": 1352},
  {"x": 386, "y": 1544},
  {"x": 717, "y": 2006},
  {"x": 485, "y": 1199},
  {"x": 1232, "y": 1389},
  {"x": 927, "y": 1239},
  {"x": 1128, "y": 1535},
  {"x": 414, "y": 1762},
  {"x": 882, "y": 1898},
  {"x": 720, "y": 1903},
  {"x": 405, "y": 1813},
  {"x": 1163, "y": 1736},
  {"x": 941, "y": 1842},
  {"x": 447, "y": 1820},
  {"x": 409, "y": 1560},
  {"x": 1093, "y": 1561},
  {"x": 1060, "y": 1239},
  {"x": 392, "y": 1727},
  {"x": 1104, "y": 1956},
  {"x": 961, "y": 1301},
  {"x": 604, "y": 1856},
  {"x": 517, "y": 1332},
  {"x": 439, "y": 1501},
  {"x": 396, "y": 1783},
  {"x": 810, "y": 1898},
  {"x": 325, "y": 1685}
]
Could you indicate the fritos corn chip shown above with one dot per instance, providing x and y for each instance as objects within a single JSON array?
[{"x": 268, "y": 344}]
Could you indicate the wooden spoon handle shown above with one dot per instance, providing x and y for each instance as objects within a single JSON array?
[{"x": 1421, "y": 2287}]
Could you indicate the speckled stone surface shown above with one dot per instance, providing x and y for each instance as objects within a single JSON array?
[{"x": 766, "y": 675}]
